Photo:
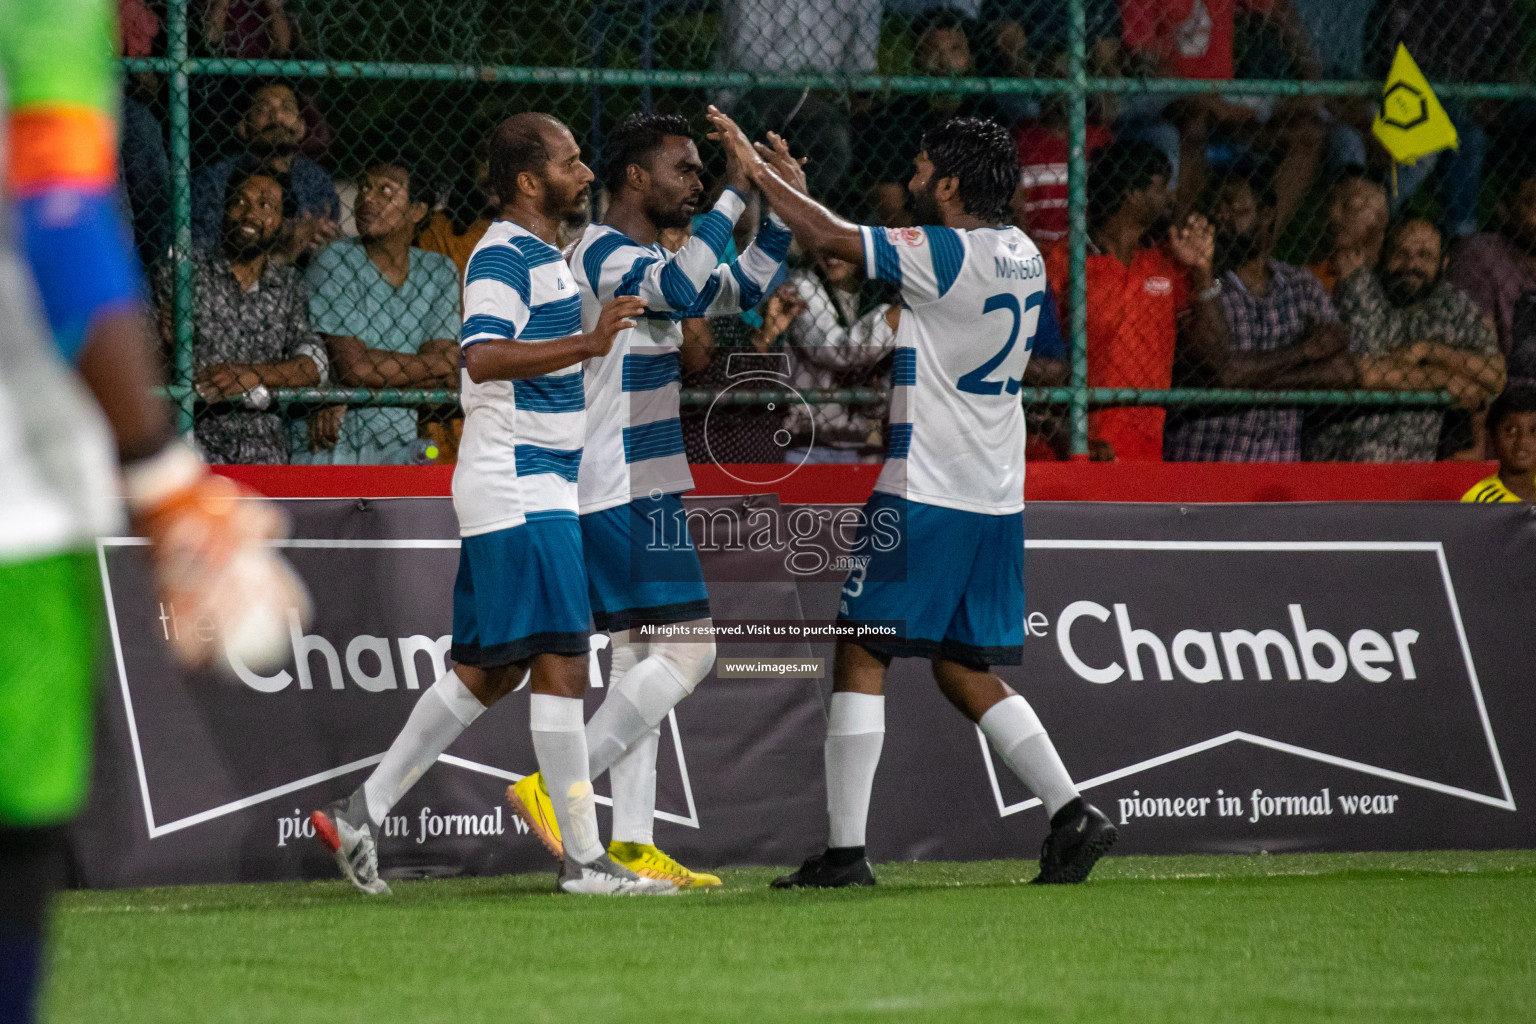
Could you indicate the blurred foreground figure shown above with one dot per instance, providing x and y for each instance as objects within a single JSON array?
[{"x": 75, "y": 375}]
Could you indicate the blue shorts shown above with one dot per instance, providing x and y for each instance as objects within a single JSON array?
[
  {"x": 952, "y": 581},
  {"x": 521, "y": 591},
  {"x": 642, "y": 565}
]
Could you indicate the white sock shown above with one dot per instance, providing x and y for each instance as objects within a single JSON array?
[
  {"x": 560, "y": 743},
  {"x": 633, "y": 707},
  {"x": 626, "y": 654},
  {"x": 633, "y": 779},
  {"x": 855, "y": 734},
  {"x": 440, "y": 715},
  {"x": 1015, "y": 732}
]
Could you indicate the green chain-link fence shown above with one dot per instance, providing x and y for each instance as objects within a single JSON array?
[{"x": 307, "y": 178}]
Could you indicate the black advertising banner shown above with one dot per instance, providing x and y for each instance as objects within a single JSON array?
[{"x": 1217, "y": 678}]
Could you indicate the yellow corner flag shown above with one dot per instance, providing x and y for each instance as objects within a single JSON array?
[{"x": 1412, "y": 123}]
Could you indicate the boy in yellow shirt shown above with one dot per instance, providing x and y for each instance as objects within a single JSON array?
[{"x": 1512, "y": 430}]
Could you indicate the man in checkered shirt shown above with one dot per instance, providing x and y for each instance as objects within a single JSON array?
[{"x": 1283, "y": 333}]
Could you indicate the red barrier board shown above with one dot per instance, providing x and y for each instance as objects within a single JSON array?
[{"x": 1045, "y": 481}]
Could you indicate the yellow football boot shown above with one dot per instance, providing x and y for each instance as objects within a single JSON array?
[
  {"x": 647, "y": 861},
  {"x": 530, "y": 801}
]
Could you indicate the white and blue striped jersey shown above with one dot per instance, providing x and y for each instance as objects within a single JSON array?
[
  {"x": 522, "y": 438},
  {"x": 634, "y": 443},
  {"x": 971, "y": 305}
]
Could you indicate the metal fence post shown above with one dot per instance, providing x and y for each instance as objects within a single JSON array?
[
  {"x": 1077, "y": 225},
  {"x": 181, "y": 207}
]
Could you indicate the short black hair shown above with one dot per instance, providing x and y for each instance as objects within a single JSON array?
[
  {"x": 1120, "y": 168},
  {"x": 419, "y": 185},
  {"x": 983, "y": 156},
  {"x": 247, "y": 167},
  {"x": 1517, "y": 398},
  {"x": 1257, "y": 174},
  {"x": 517, "y": 146},
  {"x": 635, "y": 140}
]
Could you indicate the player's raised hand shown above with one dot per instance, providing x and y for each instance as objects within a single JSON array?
[
  {"x": 617, "y": 316},
  {"x": 1193, "y": 243},
  {"x": 777, "y": 155},
  {"x": 740, "y": 158}
]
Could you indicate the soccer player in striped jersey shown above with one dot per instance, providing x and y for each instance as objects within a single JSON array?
[
  {"x": 1511, "y": 428},
  {"x": 952, "y": 488},
  {"x": 520, "y": 600},
  {"x": 70, "y": 315},
  {"x": 641, "y": 563}
]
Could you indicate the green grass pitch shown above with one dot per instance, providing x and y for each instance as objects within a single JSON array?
[{"x": 1347, "y": 937}]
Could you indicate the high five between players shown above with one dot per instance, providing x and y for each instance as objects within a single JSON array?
[{"x": 573, "y": 453}]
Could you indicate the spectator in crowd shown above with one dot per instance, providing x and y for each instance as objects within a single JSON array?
[
  {"x": 1031, "y": 39},
  {"x": 466, "y": 214},
  {"x": 1512, "y": 436},
  {"x": 1146, "y": 289},
  {"x": 271, "y": 131},
  {"x": 1336, "y": 30},
  {"x": 1282, "y": 332},
  {"x": 146, "y": 168},
  {"x": 895, "y": 131},
  {"x": 1194, "y": 39},
  {"x": 846, "y": 331},
  {"x": 1452, "y": 41},
  {"x": 1357, "y": 224},
  {"x": 778, "y": 36},
  {"x": 453, "y": 231},
  {"x": 252, "y": 29},
  {"x": 390, "y": 316},
  {"x": 1410, "y": 330},
  {"x": 250, "y": 326},
  {"x": 1499, "y": 267},
  {"x": 1040, "y": 204}
]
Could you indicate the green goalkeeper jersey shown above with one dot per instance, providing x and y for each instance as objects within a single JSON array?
[{"x": 58, "y": 478}]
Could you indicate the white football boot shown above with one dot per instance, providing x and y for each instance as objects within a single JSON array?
[
  {"x": 343, "y": 828},
  {"x": 603, "y": 877}
]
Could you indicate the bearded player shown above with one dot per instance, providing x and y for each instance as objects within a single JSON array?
[
  {"x": 952, "y": 485},
  {"x": 521, "y": 598},
  {"x": 641, "y": 563},
  {"x": 77, "y": 374}
]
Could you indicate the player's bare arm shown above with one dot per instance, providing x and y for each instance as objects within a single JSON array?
[
  {"x": 508, "y": 359},
  {"x": 816, "y": 228}
]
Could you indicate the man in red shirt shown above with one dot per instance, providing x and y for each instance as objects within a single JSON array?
[{"x": 1141, "y": 294}]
